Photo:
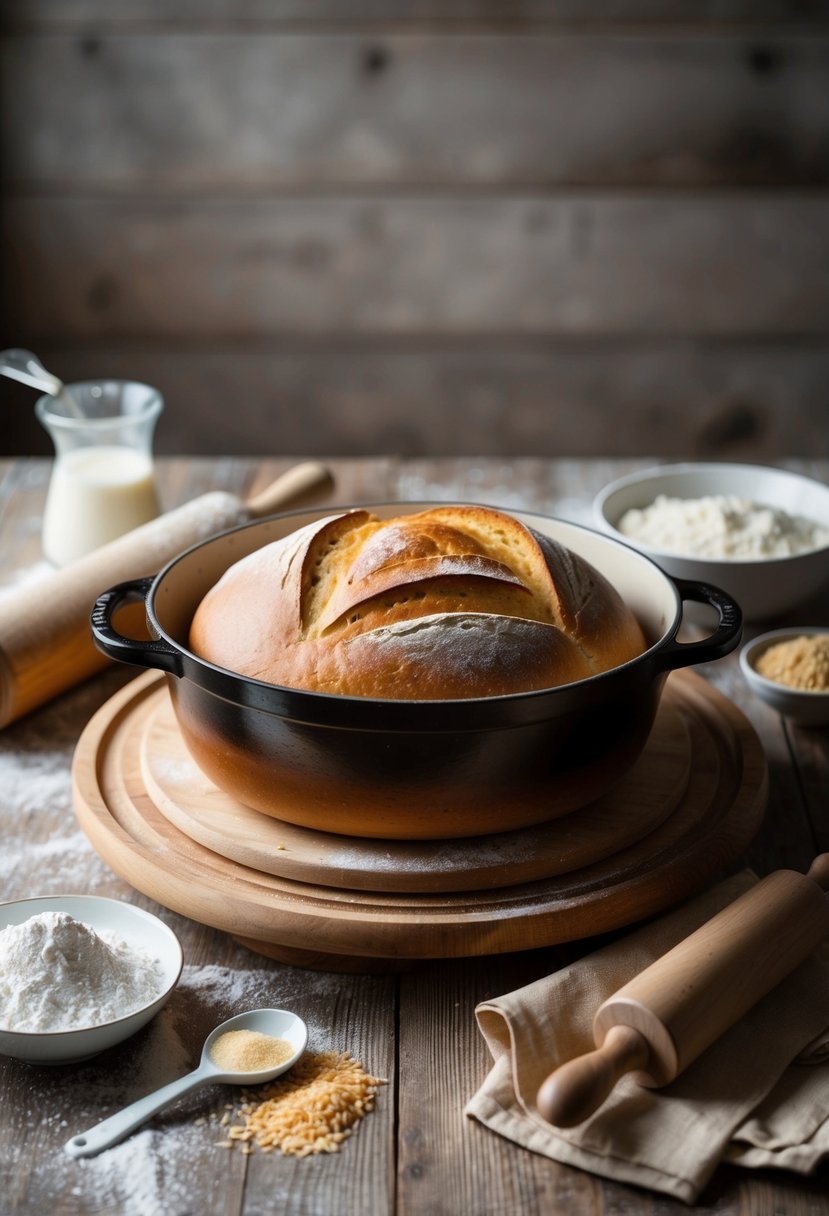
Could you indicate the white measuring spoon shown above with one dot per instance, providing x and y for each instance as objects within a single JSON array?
[{"x": 277, "y": 1022}]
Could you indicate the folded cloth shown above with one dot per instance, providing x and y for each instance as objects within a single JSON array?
[{"x": 758, "y": 1096}]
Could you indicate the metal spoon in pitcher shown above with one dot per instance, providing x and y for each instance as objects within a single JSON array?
[
  {"x": 276, "y": 1023},
  {"x": 24, "y": 366}
]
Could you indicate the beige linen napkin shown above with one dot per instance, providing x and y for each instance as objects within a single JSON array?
[{"x": 759, "y": 1096}]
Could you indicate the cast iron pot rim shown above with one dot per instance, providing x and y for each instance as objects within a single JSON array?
[{"x": 341, "y": 711}]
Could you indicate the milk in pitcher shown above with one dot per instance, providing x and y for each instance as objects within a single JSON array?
[
  {"x": 95, "y": 495},
  {"x": 103, "y": 481}
]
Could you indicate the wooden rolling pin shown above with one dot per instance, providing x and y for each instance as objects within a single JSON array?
[
  {"x": 45, "y": 641},
  {"x": 667, "y": 1015}
]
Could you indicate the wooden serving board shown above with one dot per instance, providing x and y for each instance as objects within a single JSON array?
[
  {"x": 312, "y": 923},
  {"x": 190, "y": 800}
]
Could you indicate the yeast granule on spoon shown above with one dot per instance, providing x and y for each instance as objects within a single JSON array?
[{"x": 250, "y": 1051}]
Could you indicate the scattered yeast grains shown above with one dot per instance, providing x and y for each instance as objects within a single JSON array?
[
  {"x": 249, "y": 1051},
  {"x": 311, "y": 1109},
  {"x": 802, "y": 662}
]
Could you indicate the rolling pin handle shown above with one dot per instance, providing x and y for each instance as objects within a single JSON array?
[
  {"x": 145, "y": 653},
  {"x": 299, "y": 482},
  {"x": 579, "y": 1087},
  {"x": 819, "y": 870}
]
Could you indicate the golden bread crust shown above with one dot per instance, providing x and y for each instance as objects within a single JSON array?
[{"x": 453, "y": 602}]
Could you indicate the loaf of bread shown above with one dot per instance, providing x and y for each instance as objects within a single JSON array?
[{"x": 453, "y": 602}]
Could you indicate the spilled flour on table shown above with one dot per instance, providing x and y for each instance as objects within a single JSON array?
[
  {"x": 165, "y": 1168},
  {"x": 36, "y": 779},
  {"x": 155, "y": 1172},
  {"x": 55, "y": 861},
  {"x": 44, "y": 850}
]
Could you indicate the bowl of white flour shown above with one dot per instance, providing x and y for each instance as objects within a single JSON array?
[
  {"x": 759, "y": 533},
  {"x": 80, "y": 973}
]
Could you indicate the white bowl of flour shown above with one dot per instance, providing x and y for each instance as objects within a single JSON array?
[
  {"x": 80, "y": 973},
  {"x": 759, "y": 533}
]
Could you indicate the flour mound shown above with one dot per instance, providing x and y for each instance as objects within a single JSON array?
[{"x": 57, "y": 973}]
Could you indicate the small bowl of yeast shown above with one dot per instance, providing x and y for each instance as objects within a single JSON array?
[
  {"x": 789, "y": 670},
  {"x": 761, "y": 534}
]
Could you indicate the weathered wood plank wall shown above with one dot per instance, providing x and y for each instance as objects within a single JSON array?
[{"x": 431, "y": 228}]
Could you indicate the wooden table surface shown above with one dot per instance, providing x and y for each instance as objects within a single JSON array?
[{"x": 417, "y": 1152}]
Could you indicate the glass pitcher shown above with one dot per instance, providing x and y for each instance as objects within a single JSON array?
[{"x": 103, "y": 480}]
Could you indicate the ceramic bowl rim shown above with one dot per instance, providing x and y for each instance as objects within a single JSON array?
[
  {"x": 752, "y": 650},
  {"x": 685, "y": 469}
]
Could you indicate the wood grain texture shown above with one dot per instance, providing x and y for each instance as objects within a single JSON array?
[
  {"x": 240, "y": 180},
  {"x": 45, "y": 641},
  {"x": 695, "y": 992},
  {"x": 565, "y": 13},
  {"x": 479, "y": 1173},
  {"x": 667, "y": 1015},
  {"x": 717, "y": 814},
  {"x": 581, "y": 265},
  {"x": 357, "y": 1014},
  {"x": 424, "y": 1156},
  {"x": 721, "y": 399},
  {"x": 312, "y": 111},
  {"x": 637, "y": 804}
]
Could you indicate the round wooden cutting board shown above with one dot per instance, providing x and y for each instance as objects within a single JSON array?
[
  {"x": 683, "y": 816},
  {"x": 178, "y": 788}
]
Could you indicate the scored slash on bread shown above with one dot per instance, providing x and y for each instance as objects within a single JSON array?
[{"x": 452, "y": 602}]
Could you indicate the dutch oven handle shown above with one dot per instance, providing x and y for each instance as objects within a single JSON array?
[
  {"x": 722, "y": 641},
  {"x": 129, "y": 650}
]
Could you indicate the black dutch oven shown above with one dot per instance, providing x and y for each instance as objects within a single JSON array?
[{"x": 412, "y": 769}]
